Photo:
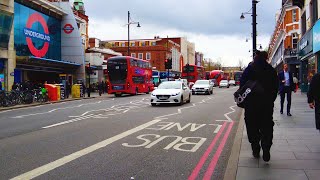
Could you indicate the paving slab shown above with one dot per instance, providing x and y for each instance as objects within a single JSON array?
[{"x": 245, "y": 173}]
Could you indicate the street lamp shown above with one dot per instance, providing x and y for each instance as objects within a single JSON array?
[
  {"x": 254, "y": 24},
  {"x": 130, "y": 22}
]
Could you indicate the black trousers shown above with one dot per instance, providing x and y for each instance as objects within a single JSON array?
[
  {"x": 286, "y": 90},
  {"x": 259, "y": 123},
  {"x": 317, "y": 114}
]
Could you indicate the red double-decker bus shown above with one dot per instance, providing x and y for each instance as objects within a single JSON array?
[
  {"x": 193, "y": 73},
  {"x": 237, "y": 76},
  {"x": 128, "y": 75},
  {"x": 216, "y": 76}
]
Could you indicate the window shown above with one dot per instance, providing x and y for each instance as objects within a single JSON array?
[
  {"x": 133, "y": 55},
  {"x": 140, "y": 55},
  {"x": 132, "y": 44},
  {"x": 294, "y": 40},
  {"x": 138, "y": 79},
  {"x": 303, "y": 23},
  {"x": 123, "y": 44},
  {"x": 6, "y": 21},
  {"x": 153, "y": 43},
  {"x": 148, "y": 56},
  {"x": 143, "y": 43},
  {"x": 294, "y": 15}
]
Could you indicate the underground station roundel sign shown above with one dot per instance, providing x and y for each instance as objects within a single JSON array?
[
  {"x": 32, "y": 34},
  {"x": 68, "y": 28}
]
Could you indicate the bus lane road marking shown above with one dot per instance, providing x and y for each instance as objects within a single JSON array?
[{"x": 66, "y": 159}]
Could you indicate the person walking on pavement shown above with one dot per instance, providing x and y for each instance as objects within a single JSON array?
[
  {"x": 259, "y": 106},
  {"x": 314, "y": 98},
  {"x": 286, "y": 87}
]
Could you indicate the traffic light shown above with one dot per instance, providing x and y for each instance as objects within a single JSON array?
[{"x": 168, "y": 63}]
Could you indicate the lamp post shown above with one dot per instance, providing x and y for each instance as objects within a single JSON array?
[
  {"x": 130, "y": 22},
  {"x": 254, "y": 25}
]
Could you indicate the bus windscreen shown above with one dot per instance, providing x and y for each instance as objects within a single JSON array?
[{"x": 117, "y": 70}]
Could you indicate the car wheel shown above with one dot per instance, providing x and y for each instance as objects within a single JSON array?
[
  {"x": 153, "y": 104},
  {"x": 136, "y": 93},
  {"x": 227, "y": 86},
  {"x": 117, "y": 95},
  {"x": 211, "y": 91},
  {"x": 189, "y": 100},
  {"x": 181, "y": 101},
  {"x": 193, "y": 93}
]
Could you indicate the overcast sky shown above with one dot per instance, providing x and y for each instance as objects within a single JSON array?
[{"x": 213, "y": 25}]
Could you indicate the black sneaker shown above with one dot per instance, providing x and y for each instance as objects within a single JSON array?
[
  {"x": 266, "y": 155},
  {"x": 289, "y": 114},
  {"x": 256, "y": 154},
  {"x": 281, "y": 112},
  {"x": 255, "y": 150}
]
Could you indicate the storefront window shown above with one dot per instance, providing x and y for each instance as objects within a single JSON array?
[
  {"x": 5, "y": 28},
  {"x": 2, "y": 73},
  {"x": 311, "y": 68}
]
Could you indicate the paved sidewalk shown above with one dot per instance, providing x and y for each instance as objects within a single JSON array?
[
  {"x": 295, "y": 153},
  {"x": 92, "y": 95}
]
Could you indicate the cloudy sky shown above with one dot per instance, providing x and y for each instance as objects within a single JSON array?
[{"x": 213, "y": 25}]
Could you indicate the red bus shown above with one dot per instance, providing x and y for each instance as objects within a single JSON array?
[
  {"x": 195, "y": 73},
  {"x": 237, "y": 76},
  {"x": 216, "y": 76},
  {"x": 128, "y": 75}
]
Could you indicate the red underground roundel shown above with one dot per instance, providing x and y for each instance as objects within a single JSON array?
[
  {"x": 30, "y": 33},
  {"x": 68, "y": 28}
]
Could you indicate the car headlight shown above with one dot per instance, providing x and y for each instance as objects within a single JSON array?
[
  {"x": 175, "y": 94},
  {"x": 206, "y": 88},
  {"x": 153, "y": 94}
]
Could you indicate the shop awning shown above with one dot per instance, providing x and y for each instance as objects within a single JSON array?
[{"x": 61, "y": 62}]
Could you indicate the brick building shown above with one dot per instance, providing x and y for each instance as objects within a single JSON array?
[
  {"x": 284, "y": 40},
  {"x": 155, "y": 50}
]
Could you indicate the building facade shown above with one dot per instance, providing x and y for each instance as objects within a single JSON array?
[
  {"x": 283, "y": 46},
  {"x": 154, "y": 50},
  {"x": 47, "y": 41},
  {"x": 199, "y": 59},
  {"x": 7, "y": 53},
  {"x": 309, "y": 42}
]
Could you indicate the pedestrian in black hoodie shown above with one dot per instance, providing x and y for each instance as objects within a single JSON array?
[
  {"x": 314, "y": 97},
  {"x": 259, "y": 106}
]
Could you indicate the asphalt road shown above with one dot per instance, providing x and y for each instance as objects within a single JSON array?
[{"x": 120, "y": 138}]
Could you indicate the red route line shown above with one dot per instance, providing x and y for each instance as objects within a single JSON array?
[
  {"x": 216, "y": 156},
  {"x": 204, "y": 157}
]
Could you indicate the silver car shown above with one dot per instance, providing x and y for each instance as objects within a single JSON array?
[
  {"x": 224, "y": 83},
  {"x": 202, "y": 87}
]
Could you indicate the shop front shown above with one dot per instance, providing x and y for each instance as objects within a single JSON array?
[
  {"x": 316, "y": 46},
  {"x": 307, "y": 58},
  {"x": 37, "y": 40}
]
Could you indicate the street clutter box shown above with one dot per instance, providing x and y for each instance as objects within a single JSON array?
[
  {"x": 58, "y": 91},
  {"x": 75, "y": 91},
  {"x": 52, "y": 92}
]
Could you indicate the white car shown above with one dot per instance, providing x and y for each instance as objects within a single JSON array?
[
  {"x": 202, "y": 87},
  {"x": 171, "y": 92},
  {"x": 232, "y": 82},
  {"x": 224, "y": 83}
]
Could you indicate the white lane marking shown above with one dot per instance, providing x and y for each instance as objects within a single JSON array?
[
  {"x": 98, "y": 114},
  {"x": 56, "y": 109},
  {"x": 66, "y": 159},
  {"x": 69, "y": 121},
  {"x": 226, "y": 114},
  {"x": 179, "y": 110}
]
